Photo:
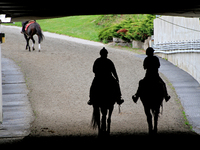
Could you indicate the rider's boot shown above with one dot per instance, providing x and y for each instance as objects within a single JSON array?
[
  {"x": 167, "y": 97},
  {"x": 120, "y": 101},
  {"x": 90, "y": 102},
  {"x": 135, "y": 98}
]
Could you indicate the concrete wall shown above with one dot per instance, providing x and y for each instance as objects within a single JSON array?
[
  {"x": 170, "y": 30},
  {"x": 189, "y": 62},
  {"x": 167, "y": 29}
]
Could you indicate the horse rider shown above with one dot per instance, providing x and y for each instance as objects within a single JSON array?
[
  {"x": 151, "y": 64},
  {"x": 105, "y": 72}
]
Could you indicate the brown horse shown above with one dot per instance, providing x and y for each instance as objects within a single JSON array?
[{"x": 33, "y": 29}]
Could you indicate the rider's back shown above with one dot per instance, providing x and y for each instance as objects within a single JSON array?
[
  {"x": 151, "y": 64},
  {"x": 103, "y": 67}
]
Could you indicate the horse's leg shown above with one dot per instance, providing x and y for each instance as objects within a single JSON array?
[
  {"x": 98, "y": 122},
  {"x": 149, "y": 118},
  {"x": 33, "y": 43},
  {"x": 103, "y": 120},
  {"x": 96, "y": 118},
  {"x": 28, "y": 44},
  {"x": 109, "y": 119},
  {"x": 39, "y": 47},
  {"x": 156, "y": 121},
  {"x": 25, "y": 36}
]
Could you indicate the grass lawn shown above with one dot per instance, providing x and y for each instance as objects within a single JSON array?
[
  {"x": 75, "y": 26},
  {"x": 85, "y": 27}
]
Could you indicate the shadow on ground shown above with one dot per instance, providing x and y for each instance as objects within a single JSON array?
[{"x": 118, "y": 141}]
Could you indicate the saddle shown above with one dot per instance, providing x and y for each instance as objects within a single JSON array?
[{"x": 29, "y": 23}]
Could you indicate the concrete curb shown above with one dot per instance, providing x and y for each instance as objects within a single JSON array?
[{"x": 17, "y": 111}]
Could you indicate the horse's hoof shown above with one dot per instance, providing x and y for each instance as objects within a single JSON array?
[{"x": 108, "y": 133}]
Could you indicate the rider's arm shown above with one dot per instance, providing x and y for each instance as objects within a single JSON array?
[
  {"x": 158, "y": 62},
  {"x": 145, "y": 63},
  {"x": 95, "y": 68}
]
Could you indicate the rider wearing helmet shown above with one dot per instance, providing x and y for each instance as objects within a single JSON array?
[
  {"x": 151, "y": 64},
  {"x": 105, "y": 76}
]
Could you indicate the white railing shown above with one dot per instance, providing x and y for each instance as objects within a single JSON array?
[{"x": 189, "y": 46}]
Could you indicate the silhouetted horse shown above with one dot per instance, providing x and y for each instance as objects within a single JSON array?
[
  {"x": 33, "y": 29},
  {"x": 104, "y": 103},
  {"x": 152, "y": 96}
]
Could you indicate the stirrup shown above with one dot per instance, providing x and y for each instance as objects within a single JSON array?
[{"x": 167, "y": 98}]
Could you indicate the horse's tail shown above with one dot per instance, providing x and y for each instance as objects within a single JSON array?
[
  {"x": 39, "y": 32},
  {"x": 95, "y": 117}
]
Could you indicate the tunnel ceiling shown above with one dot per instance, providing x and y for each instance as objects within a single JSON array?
[{"x": 35, "y": 9}]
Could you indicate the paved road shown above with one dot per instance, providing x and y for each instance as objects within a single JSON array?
[{"x": 59, "y": 78}]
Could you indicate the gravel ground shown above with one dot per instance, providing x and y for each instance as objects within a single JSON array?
[{"x": 59, "y": 78}]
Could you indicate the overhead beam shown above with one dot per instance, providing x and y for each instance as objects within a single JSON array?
[{"x": 24, "y": 10}]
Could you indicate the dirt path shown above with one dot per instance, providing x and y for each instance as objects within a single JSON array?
[{"x": 59, "y": 78}]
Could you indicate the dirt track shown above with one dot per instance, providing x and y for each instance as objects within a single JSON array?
[{"x": 59, "y": 78}]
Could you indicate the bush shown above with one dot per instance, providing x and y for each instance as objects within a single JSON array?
[
  {"x": 137, "y": 29},
  {"x": 112, "y": 31},
  {"x": 106, "y": 35}
]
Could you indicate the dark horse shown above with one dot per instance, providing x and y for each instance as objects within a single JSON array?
[
  {"x": 152, "y": 96},
  {"x": 102, "y": 129},
  {"x": 33, "y": 29},
  {"x": 104, "y": 103}
]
